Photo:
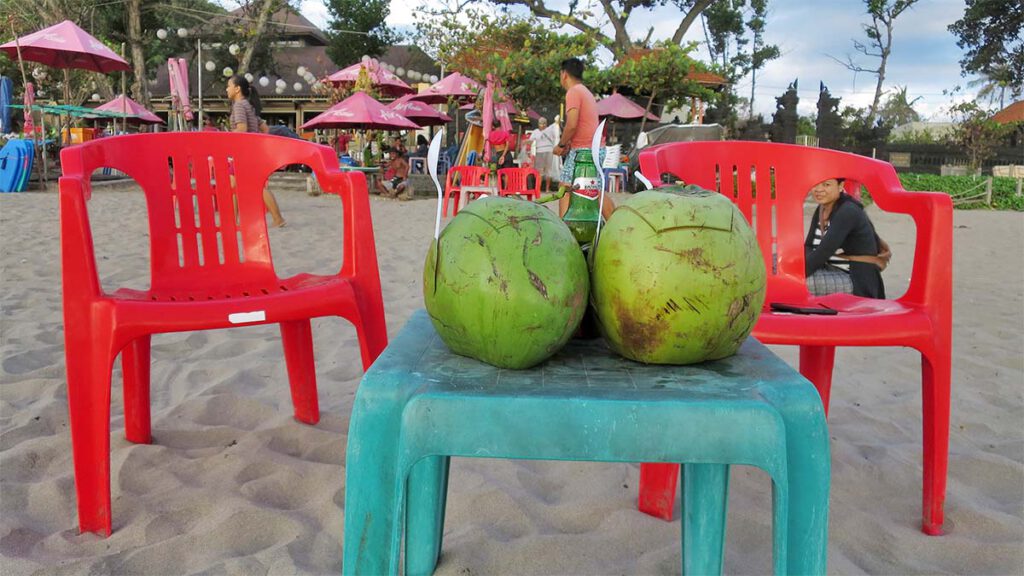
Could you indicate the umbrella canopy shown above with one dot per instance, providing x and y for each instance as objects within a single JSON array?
[
  {"x": 136, "y": 113},
  {"x": 381, "y": 78},
  {"x": 419, "y": 112},
  {"x": 622, "y": 108},
  {"x": 454, "y": 86},
  {"x": 65, "y": 45},
  {"x": 360, "y": 111}
]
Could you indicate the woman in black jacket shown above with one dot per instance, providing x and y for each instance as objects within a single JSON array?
[{"x": 840, "y": 223}]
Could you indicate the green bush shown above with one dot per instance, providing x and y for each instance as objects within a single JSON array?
[{"x": 1003, "y": 189}]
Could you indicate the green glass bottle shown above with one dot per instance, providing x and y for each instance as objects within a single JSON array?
[{"x": 584, "y": 197}]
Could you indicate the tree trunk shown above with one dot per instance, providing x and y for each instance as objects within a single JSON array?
[
  {"x": 886, "y": 49},
  {"x": 139, "y": 87},
  {"x": 650, "y": 101},
  {"x": 266, "y": 10}
]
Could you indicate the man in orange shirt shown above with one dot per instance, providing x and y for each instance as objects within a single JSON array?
[{"x": 580, "y": 124}]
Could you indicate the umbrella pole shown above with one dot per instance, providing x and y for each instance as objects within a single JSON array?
[
  {"x": 67, "y": 102},
  {"x": 124, "y": 98},
  {"x": 24, "y": 85}
]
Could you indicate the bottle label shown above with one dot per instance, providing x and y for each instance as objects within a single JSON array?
[{"x": 586, "y": 187}]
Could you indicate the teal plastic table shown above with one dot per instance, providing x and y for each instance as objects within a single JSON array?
[{"x": 420, "y": 404}]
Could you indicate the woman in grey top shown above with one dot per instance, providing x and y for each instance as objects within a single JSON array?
[{"x": 245, "y": 117}]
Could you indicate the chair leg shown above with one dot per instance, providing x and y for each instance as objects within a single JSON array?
[
  {"x": 426, "y": 494},
  {"x": 816, "y": 365},
  {"x": 297, "y": 337},
  {"x": 935, "y": 385},
  {"x": 372, "y": 334},
  {"x": 705, "y": 490},
  {"x": 135, "y": 360},
  {"x": 658, "y": 489},
  {"x": 88, "y": 374}
]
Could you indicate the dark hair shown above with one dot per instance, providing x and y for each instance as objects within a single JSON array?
[
  {"x": 249, "y": 91},
  {"x": 573, "y": 67},
  {"x": 421, "y": 140}
]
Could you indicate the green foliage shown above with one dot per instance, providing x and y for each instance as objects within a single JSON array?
[
  {"x": 349, "y": 16},
  {"x": 525, "y": 55},
  {"x": 976, "y": 132},
  {"x": 898, "y": 109},
  {"x": 662, "y": 72},
  {"x": 990, "y": 32},
  {"x": 1003, "y": 189}
]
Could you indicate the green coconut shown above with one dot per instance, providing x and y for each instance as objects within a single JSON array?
[
  {"x": 677, "y": 277},
  {"x": 510, "y": 285}
]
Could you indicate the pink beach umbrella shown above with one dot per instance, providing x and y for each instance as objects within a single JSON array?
[
  {"x": 381, "y": 78},
  {"x": 65, "y": 45},
  {"x": 419, "y": 112},
  {"x": 177, "y": 70},
  {"x": 453, "y": 86},
  {"x": 136, "y": 113},
  {"x": 618, "y": 106},
  {"x": 361, "y": 112}
]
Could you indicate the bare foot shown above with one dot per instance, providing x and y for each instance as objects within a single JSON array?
[{"x": 280, "y": 224}]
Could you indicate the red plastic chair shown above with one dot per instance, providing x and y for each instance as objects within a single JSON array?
[
  {"x": 459, "y": 176},
  {"x": 516, "y": 182},
  {"x": 210, "y": 268},
  {"x": 921, "y": 319}
]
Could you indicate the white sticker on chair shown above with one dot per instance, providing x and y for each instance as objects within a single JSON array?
[{"x": 246, "y": 317}]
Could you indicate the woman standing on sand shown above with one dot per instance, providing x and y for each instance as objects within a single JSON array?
[{"x": 245, "y": 117}]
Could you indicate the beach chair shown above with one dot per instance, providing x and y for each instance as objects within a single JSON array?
[
  {"x": 211, "y": 268},
  {"x": 459, "y": 176},
  {"x": 517, "y": 182},
  {"x": 769, "y": 183}
]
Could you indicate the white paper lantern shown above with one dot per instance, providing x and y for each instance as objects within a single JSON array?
[
  {"x": 264, "y": 81},
  {"x": 301, "y": 70},
  {"x": 434, "y": 78},
  {"x": 182, "y": 32},
  {"x": 95, "y": 97},
  {"x": 280, "y": 83},
  {"x": 279, "y": 90},
  {"x": 365, "y": 59},
  {"x": 309, "y": 78},
  {"x": 400, "y": 71},
  {"x": 161, "y": 34},
  {"x": 248, "y": 77},
  {"x": 228, "y": 72},
  {"x": 233, "y": 49},
  {"x": 210, "y": 66},
  {"x": 297, "y": 86}
]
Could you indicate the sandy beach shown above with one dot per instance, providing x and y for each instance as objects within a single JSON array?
[{"x": 233, "y": 485}]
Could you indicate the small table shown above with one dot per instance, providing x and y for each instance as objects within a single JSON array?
[
  {"x": 419, "y": 404},
  {"x": 371, "y": 172},
  {"x": 468, "y": 191}
]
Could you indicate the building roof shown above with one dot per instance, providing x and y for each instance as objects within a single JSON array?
[
  {"x": 1012, "y": 113},
  {"x": 285, "y": 23}
]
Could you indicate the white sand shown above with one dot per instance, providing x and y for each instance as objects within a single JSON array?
[{"x": 232, "y": 484}]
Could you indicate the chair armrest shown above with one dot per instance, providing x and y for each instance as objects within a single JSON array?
[
  {"x": 78, "y": 256},
  {"x": 932, "y": 278}
]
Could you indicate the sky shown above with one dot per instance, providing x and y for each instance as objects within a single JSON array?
[{"x": 925, "y": 57}]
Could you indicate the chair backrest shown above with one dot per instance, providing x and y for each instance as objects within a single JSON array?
[
  {"x": 467, "y": 176},
  {"x": 517, "y": 180},
  {"x": 769, "y": 184},
  {"x": 204, "y": 197},
  {"x": 612, "y": 156}
]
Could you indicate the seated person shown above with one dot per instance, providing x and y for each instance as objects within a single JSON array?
[
  {"x": 422, "y": 146},
  {"x": 399, "y": 146},
  {"x": 840, "y": 223},
  {"x": 395, "y": 182}
]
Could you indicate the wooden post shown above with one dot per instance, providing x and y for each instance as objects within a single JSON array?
[
  {"x": 988, "y": 192},
  {"x": 1019, "y": 182}
]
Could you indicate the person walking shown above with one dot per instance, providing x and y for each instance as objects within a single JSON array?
[{"x": 245, "y": 117}]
